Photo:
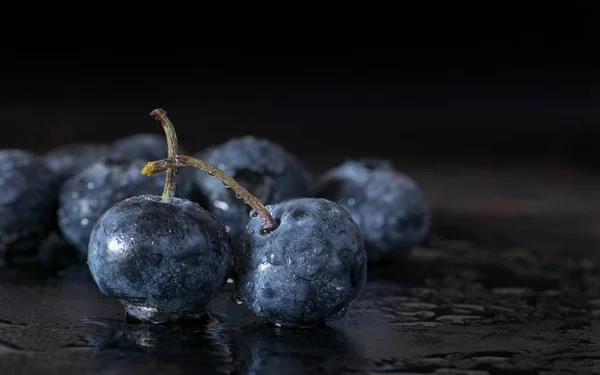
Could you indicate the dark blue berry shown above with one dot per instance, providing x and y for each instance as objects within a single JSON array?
[
  {"x": 144, "y": 146},
  {"x": 87, "y": 195},
  {"x": 68, "y": 160},
  {"x": 162, "y": 261},
  {"x": 388, "y": 205},
  {"x": 307, "y": 270},
  {"x": 263, "y": 167},
  {"x": 27, "y": 201}
]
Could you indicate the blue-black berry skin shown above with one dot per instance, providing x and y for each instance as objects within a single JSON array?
[
  {"x": 70, "y": 159},
  {"x": 87, "y": 195},
  {"x": 28, "y": 192},
  {"x": 263, "y": 167},
  {"x": 388, "y": 205},
  {"x": 162, "y": 261},
  {"x": 308, "y": 270},
  {"x": 144, "y": 146}
]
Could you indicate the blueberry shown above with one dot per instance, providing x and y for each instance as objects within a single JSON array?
[
  {"x": 145, "y": 146},
  {"x": 162, "y": 261},
  {"x": 164, "y": 258},
  {"x": 307, "y": 270},
  {"x": 68, "y": 160},
  {"x": 87, "y": 195},
  {"x": 27, "y": 202},
  {"x": 388, "y": 205},
  {"x": 263, "y": 167}
]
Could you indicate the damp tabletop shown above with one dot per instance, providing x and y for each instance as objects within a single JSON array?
[{"x": 507, "y": 283}]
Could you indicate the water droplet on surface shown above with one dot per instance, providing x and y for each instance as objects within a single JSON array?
[
  {"x": 221, "y": 166},
  {"x": 90, "y": 185},
  {"x": 250, "y": 286},
  {"x": 236, "y": 299},
  {"x": 238, "y": 195},
  {"x": 301, "y": 260},
  {"x": 74, "y": 195},
  {"x": 8, "y": 348},
  {"x": 351, "y": 201},
  {"x": 12, "y": 324},
  {"x": 227, "y": 228},
  {"x": 84, "y": 221}
]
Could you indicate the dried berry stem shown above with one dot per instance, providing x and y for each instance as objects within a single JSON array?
[
  {"x": 175, "y": 161},
  {"x": 160, "y": 115}
]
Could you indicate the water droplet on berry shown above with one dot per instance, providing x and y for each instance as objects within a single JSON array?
[
  {"x": 236, "y": 299},
  {"x": 221, "y": 205},
  {"x": 276, "y": 259},
  {"x": 253, "y": 213},
  {"x": 238, "y": 195}
]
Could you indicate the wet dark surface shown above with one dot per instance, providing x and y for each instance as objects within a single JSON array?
[{"x": 508, "y": 283}]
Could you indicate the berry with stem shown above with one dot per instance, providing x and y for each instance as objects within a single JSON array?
[{"x": 163, "y": 257}]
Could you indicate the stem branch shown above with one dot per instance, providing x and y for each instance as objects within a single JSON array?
[
  {"x": 160, "y": 115},
  {"x": 268, "y": 222}
]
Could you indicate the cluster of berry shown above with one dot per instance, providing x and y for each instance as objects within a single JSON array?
[{"x": 296, "y": 248}]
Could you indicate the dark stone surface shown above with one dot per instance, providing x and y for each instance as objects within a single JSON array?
[{"x": 508, "y": 283}]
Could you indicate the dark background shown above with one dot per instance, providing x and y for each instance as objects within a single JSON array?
[{"x": 494, "y": 83}]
